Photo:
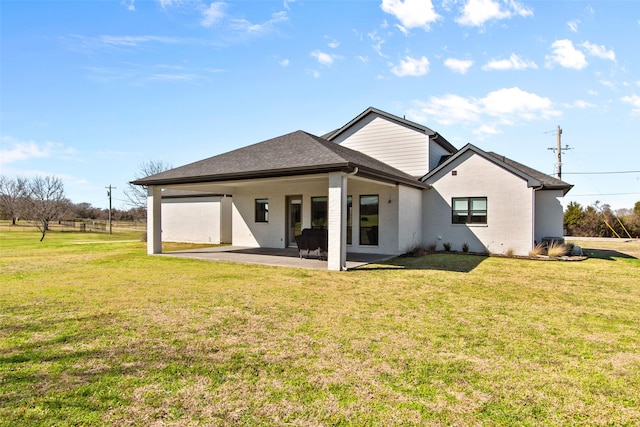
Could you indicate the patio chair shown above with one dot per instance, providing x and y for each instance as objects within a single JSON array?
[{"x": 303, "y": 246}]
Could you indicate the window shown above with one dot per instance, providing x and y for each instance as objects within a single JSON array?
[
  {"x": 469, "y": 210},
  {"x": 262, "y": 210},
  {"x": 369, "y": 220},
  {"x": 319, "y": 212}
]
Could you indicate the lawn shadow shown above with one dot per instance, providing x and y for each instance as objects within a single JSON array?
[
  {"x": 454, "y": 262},
  {"x": 605, "y": 254}
]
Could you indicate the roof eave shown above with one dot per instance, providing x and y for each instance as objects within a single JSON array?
[
  {"x": 565, "y": 188},
  {"x": 389, "y": 116},
  {"x": 282, "y": 173},
  {"x": 381, "y": 176},
  {"x": 237, "y": 176}
]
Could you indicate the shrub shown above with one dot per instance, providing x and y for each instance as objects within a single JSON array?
[
  {"x": 447, "y": 246},
  {"x": 537, "y": 250},
  {"x": 417, "y": 251},
  {"x": 431, "y": 247},
  {"x": 465, "y": 247},
  {"x": 509, "y": 252},
  {"x": 556, "y": 250}
]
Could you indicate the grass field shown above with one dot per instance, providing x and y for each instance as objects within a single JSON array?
[{"x": 95, "y": 332}]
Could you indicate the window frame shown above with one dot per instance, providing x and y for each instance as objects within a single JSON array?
[
  {"x": 469, "y": 214},
  {"x": 261, "y": 210},
  {"x": 362, "y": 228},
  {"x": 323, "y": 219}
]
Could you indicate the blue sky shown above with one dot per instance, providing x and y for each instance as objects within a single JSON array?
[{"x": 89, "y": 90}]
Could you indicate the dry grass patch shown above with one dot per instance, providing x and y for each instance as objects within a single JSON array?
[
  {"x": 105, "y": 335},
  {"x": 556, "y": 250}
]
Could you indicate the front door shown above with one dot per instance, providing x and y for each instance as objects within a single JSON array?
[{"x": 294, "y": 218}]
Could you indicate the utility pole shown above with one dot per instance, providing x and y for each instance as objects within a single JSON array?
[
  {"x": 109, "y": 188},
  {"x": 560, "y": 149}
]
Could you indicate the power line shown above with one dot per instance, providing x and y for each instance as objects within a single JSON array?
[
  {"x": 599, "y": 173},
  {"x": 602, "y": 194}
]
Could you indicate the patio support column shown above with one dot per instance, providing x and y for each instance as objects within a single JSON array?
[
  {"x": 337, "y": 250},
  {"x": 154, "y": 220}
]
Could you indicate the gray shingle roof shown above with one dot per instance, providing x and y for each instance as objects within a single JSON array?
[
  {"x": 296, "y": 153},
  {"x": 545, "y": 180},
  {"x": 534, "y": 177}
]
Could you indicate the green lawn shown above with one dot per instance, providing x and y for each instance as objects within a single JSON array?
[{"x": 100, "y": 333}]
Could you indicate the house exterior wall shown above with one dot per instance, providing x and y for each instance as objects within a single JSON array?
[
  {"x": 196, "y": 219},
  {"x": 391, "y": 201},
  {"x": 549, "y": 214},
  {"x": 435, "y": 154},
  {"x": 399, "y": 146},
  {"x": 509, "y": 208},
  {"x": 409, "y": 218}
]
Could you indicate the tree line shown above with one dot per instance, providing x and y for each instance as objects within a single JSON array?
[
  {"x": 41, "y": 200},
  {"x": 599, "y": 220}
]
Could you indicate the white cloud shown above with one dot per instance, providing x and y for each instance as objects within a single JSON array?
[
  {"x": 607, "y": 83},
  {"x": 485, "y": 130},
  {"x": 284, "y": 62},
  {"x": 634, "y": 101},
  {"x": 411, "y": 67},
  {"x": 213, "y": 14},
  {"x": 502, "y": 107},
  {"x": 323, "y": 58},
  {"x": 378, "y": 42},
  {"x": 137, "y": 74},
  {"x": 411, "y": 13},
  {"x": 476, "y": 13},
  {"x": 132, "y": 41},
  {"x": 26, "y": 150},
  {"x": 599, "y": 51},
  {"x": 580, "y": 103},
  {"x": 333, "y": 44},
  {"x": 566, "y": 55},
  {"x": 449, "y": 109},
  {"x": 573, "y": 25},
  {"x": 166, "y": 3},
  {"x": 514, "y": 102},
  {"x": 513, "y": 63},
  {"x": 460, "y": 66},
  {"x": 246, "y": 26},
  {"x": 129, "y": 4}
]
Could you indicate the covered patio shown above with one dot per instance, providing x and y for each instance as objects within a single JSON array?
[
  {"x": 286, "y": 257},
  {"x": 294, "y": 182}
]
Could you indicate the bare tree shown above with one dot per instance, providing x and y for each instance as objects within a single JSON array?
[
  {"x": 12, "y": 196},
  {"x": 137, "y": 194},
  {"x": 45, "y": 201}
]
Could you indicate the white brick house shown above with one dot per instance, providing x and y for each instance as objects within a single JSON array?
[{"x": 379, "y": 184}]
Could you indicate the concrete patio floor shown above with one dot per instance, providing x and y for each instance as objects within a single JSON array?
[{"x": 270, "y": 256}]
